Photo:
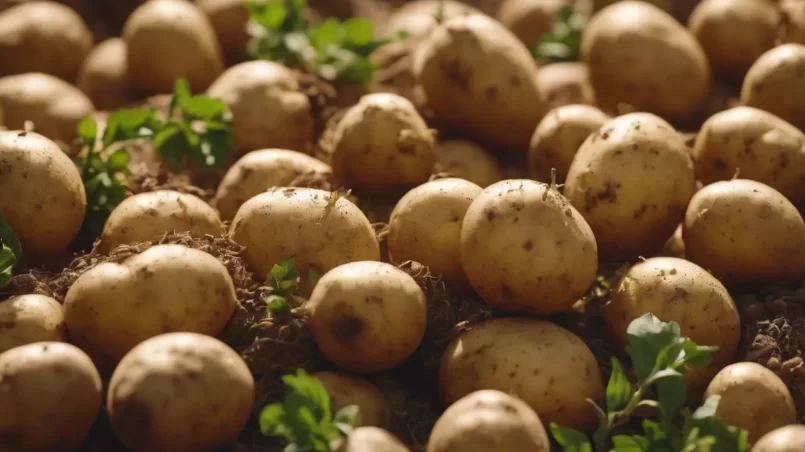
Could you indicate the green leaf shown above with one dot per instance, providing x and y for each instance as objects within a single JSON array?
[
  {"x": 182, "y": 91},
  {"x": 671, "y": 395},
  {"x": 202, "y": 107},
  {"x": 129, "y": 124},
  {"x": 625, "y": 443},
  {"x": 171, "y": 143},
  {"x": 570, "y": 440},
  {"x": 329, "y": 33},
  {"x": 10, "y": 251},
  {"x": 87, "y": 131},
  {"x": 359, "y": 31},
  {"x": 8, "y": 238},
  {"x": 278, "y": 307},
  {"x": 118, "y": 161},
  {"x": 648, "y": 336},
  {"x": 697, "y": 354},
  {"x": 619, "y": 388},
  {"x": 312, "y": 276},
  {"x": 709, "y": 408},
  {"x": 348, "y": 418},
  {"x": 272, "y": 420}
]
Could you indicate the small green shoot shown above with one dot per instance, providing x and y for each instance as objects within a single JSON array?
[
  {"x": 563, "y": 43},
  {"x": 283, "y": 284},
  {"x": 10, "y": 251}
]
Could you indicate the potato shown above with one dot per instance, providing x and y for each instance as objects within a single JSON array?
[
  {"x": 167, "y": 40},
  {"x": 50, "y": 397},
  {"x": 734, "y": 33},
  {"x": 755, "y": 144},
  {"x": 371, "y": 439},
  {"x": 773, "y": 83},
  {"x": 481, "y": 80},
  {"x": 631, "y": 180},
  {"x": 418, "y": 18},
  {"x": 793, "y": 27},
  {"x": 268, "y": 108},
  {"x": 675, "y": 290},
  {"x": 488, "y": 420},
  {"x": 53, "y": 105},
  {"x": 26, "y": 319},
  {"x": 149, "y": 216},
  {"x": 425, "y": 226},
  {"x": 320, "y": 229},
  {"x": 530, "y": 19},
  {"x": 565, "y": 84},
  {"x": 229, "y": 19},
  {"x": 730, "y": 225},
  {"x": 525, "y": 249},
  {"x": 752, "y": 398},
  {"x": 784, "y": 439},
  {"x": 345, "y": 390},
  {"x": 557, "y": 138},
  {"x": 43, "y": 37},
  {"x": 43, "y": 197},
  {"x": 367, "y": 316},
  {"x": 675, "y": 246},
  {"x": 104, "y": 76},
  {"x": 113, "y": 307},
  {"x": 382, "y": 145},
  {"x": 652, "y": 63},
  {"x": 180, "y": 392},
  {"x": 467, "y": 160},
  {"x": 554, "y": 377},
  {"x": 680, "y": 9}
]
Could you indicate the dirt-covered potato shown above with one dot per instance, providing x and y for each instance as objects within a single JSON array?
[
  {"x": 43, "y": 37},
  {"x": 488, "y": 420},
  {"x": 425, "y": 226},
  {"x": 229, "y": 19},
  {"x": 167, "y": 40},
  {"x": 104, "y": 76},
  {"x": 268, "y": 109},
  {"x": 180, "y": 392},
  {"x": 49, "y": 398},
  {"x": 530, "y": 19},
  {"x": 774, "y": 83},
  {"x": 382, "y": 145},
  {"x": 371, "y": 439},
  {"x": 43, "y": 197},
  {"x": 640, "y": 56},
  {"x": 631, "y": 180},
  {"x": 565, "y": 84},
  {"x": 345, "y": 390},
  {"x": 525, "y": 249},
  {"x": 755, "y": 144},
  {"x": 558, "y": 136},
  {"x": 113, "y": 307},
  {"x": 784, "y": 439},
  {"x": 367, "y": 316},
  {"x": 319, "y": 228},
  {"x": 469, "y": 161},
  {"x": 752, "y": 398},
  {"x": 554, "y": 377},
  {"x": 480, "y": 79},
  {"x": 675, "y": 290},
  {"x": 53, "y": 105},
  {"x": 149, "y": 216},
  {"x": 418, "y": 18},
  {"x": 733, "y": 223},
  {"x": 26, "y": 319}
]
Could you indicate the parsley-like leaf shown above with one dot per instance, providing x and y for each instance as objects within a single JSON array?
[
  {"x": 619, "y": 389},
  {"x": 563, "y": 42},
  {"x": 570, "y": 440},
  {"x": 648, "y": 336},
  {"x": 10, "y": 251}
]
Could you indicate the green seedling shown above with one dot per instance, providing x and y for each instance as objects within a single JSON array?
[
  {"x": 563, "y": 42},
  {"x": 10, "y": 251},
  {"x": 283, "y": 284}
]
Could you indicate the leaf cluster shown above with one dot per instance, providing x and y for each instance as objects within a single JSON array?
[
  {"x": 10, "y": 251},
  {"x": 563, "y": 42},
  {"x": 283, "y": 284}
]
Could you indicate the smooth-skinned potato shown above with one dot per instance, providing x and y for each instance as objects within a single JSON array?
[
  {"x": 34, "y": 378},
  {"x": 371, "y": 439},
  {"x": 530, "y": 19},
  {"x": 104, "y": 76},
  {"x": 784, "y": 439},
  {"x": 229, "y": 18},
  {"x": 545, "y": 365},
  {"x": 793, "y": 27},
  {"x": 565, "y": 84},
  {"x": 732, "y": 223},
  {"x": 367, "y": 316},
  {"x": 30, "y": 318},
  {"x": 418, "y": 18},
  {"x": 180, "y": 392},
  {"x": 346, "y": 390},
  {"x": 467, "y": 160},
  {"x": 773, "y": 83}
]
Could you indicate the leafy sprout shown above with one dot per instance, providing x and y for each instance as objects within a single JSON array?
[
  {"x": 283, "y": 284},
  {"x": 10, "y": 251},
  {"x": 563, "y": 42}
]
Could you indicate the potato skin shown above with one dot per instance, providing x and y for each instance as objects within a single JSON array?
[
  {"x": 113, "y": 307},
  {"x": 180, "y": 392},
  {"x": 268, "y": 109},
  {"x": 481, "y": 80},
  {"x": 565, "y": 84},
  {"x": 489, "y": 420},
  {"x": 784, "y": 439},
  {"x": 30, "y": 318},
  {"x": 631, "y": 178},
  {"x": 416, "y": 18},
  {"x": 167, "y": 40},
  {"x": 467, "y": 160},
  {"x": 752, "y": 398},
  {"x": 104, "y": 76},
  {"x": 729, "y": 224},
  {"x": 554, "y": 378},
  {"x": 653, "y": 64},
  {"x": 371, "y": 439},
  {"x": 229, "y": 19},
  {"x": 34, "y": 377},
  {"x": 773, "y": 83},
  {"x": 529, "y": 19},
  {"x": 345, "y": 390},
  {"x": 367, "y": 316},
  {"x": 43, "y": 196},
  {"x": 793, "y": 28},
  {"x": 755, "y": 144}
]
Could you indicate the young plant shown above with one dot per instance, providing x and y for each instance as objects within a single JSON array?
[
  {"x": 10, "y": 251},
  {"x": 659, "y": 358},
  {"x": 283, "y": 284},
  {"x": 563, "y": 43}
]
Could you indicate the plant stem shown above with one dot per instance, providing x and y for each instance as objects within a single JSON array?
[{"x": 619, "y": 418}]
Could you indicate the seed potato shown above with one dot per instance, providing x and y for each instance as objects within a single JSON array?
[
  {"x": 784, "y": 439},
  {"x": 417, "y": 18},
  {"x": 104, "y": 76},
  {"x": 565, "y": 84},
  {"x": 529, "y": 20},
  {"x": 346, "y": 390},
  {"x": 229, "y": 18},
  {"x": 30, "y": 318},
  {"x": 774, "y": 83},
  {"x": 371, "y": 439},
  {"x": 467, "y": 160}
]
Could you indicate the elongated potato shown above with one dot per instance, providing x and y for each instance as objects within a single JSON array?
[
  {"x": 565, "y": 84},
  {"x": 346, "y": 390},
  {"x": 104, "y": 76},
  {"x": 467, "y": 160},
  {"x": 26, "y": 319},
  {"x": 773, "y": 83},
  {"x": 229, "y": 18}
]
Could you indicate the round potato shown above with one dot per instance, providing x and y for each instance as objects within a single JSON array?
[
  {"x": 180, "y": 392},
  {"x": 773, "y": 83},
  {"x": 631, "y": 180},
  {"x": 149, "y": 216},
  {"x": 565, "y": 84},
  {"x": 30, "y": 318},
  {"x": 469, "y": 161},
  {"x": 530, "y": 19},
  {"x": 488, "y": 420},
  {"x": 784, "y": 439},
  {"x": 481, "y": 80},
  {"x": 43, "y": 37},
  {"x": 371, "y": 439},
  {"x": 113, "y": 307},
  {"x": 553, "y": 378},
  {"x": 752, "y": 398},
  {"x": 418, "y": 18},
  {"x": 43, "y": 197},
  {"x": 793, "y": 27},
  {"x": 53, "y": 105},
  {"x": 730, "y": 224},
  {"x": 425, "y": 226},
  {"x": 167, "y": 40},
  {"x": 639, "y": 55},
  {"x": 557, "y": 138},
  {"x": 268, "y": 109},
  {"x": 104, "y": 76},
  {"x": 346, "y": 390},
  {"x": 36, "y": 376},
  {"x": 229, "y": 19},
  {"x": 367, "y": 316}
]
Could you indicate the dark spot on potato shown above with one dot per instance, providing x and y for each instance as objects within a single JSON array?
[
  {"x": 528, "y": 245},
  {"x": 609, "y": 193},
  {"x": 515, "y": 81},
  {"x": 640, "y": 212},
  {"x": 719, "y": 164},
  {"x": 458, "y": 75},
  {"x": 373, "y": 299},
  {"x": 347, "y": 328},
  {"x": 492, "y": 92},
  {"x": 506, "y": 290},
  {"x": 491, "y": 213}
]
